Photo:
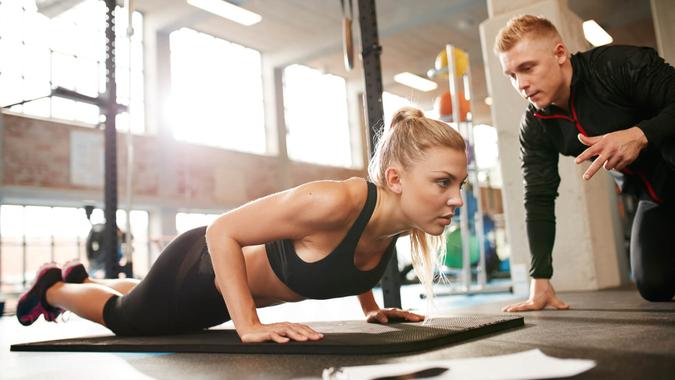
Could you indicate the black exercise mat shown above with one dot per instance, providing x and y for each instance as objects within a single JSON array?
[{"x": 340, "y": 337}]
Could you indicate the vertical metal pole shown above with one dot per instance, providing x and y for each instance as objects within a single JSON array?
[
  {"x": 463, "y": 211},
  {"x": 391, "y": 282},
  {"x": 23, "y": 260},
  {"x": 478, "y": 218},
  {"x": 52, "y": 248},
  {"x": 110, "y": 187}
]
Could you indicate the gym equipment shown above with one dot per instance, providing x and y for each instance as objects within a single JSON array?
[
  {"x": 443, "y": 104},
  {"x": 457, "y": 63},
  {"x": 460, "y": 58},
  {"x": 95, "y": 247},
  {"x": 372, "y": 70},
  {"x": 345, "y": 337}
]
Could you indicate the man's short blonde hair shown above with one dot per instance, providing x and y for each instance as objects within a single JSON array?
[{"x": 522, "y": 26}]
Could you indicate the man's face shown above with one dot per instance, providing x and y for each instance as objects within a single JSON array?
[{"x": 534, "y": 66}]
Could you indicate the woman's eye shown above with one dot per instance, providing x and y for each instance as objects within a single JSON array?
[{"x": 443, "y": 182}]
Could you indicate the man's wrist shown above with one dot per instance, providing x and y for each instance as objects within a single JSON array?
[{"x": 640, "y": 136}]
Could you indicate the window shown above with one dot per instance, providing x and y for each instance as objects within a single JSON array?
[
  {"x": 186, "y": 221},
  {"x": 33, "y": 235},
  {"x": 315, "y": 107},
  {"x": 67, "y": 51},
  {"x": 216, "y": 92}
]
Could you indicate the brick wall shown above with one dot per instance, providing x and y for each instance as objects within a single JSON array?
[{"x": 36, "y": 154}]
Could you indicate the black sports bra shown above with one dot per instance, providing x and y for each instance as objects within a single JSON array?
[{"x": 335, "y": 275}]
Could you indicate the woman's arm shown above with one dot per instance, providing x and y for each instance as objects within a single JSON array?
[{"x": 292, "y": 214}]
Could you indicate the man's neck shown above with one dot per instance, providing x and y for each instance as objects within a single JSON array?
[{"x": 565, "y": 90}]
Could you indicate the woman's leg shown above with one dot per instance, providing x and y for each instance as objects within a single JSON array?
[
  {"x": 177, "y": 295},
  {"x": 653, "y": 250},
  {"x": 86, "y": 300},
  {"x": 74, "y": 272},
  {"x": 121, "y": 285}
]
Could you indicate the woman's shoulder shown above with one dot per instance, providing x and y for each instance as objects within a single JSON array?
[{"x": 335, "y": 202}]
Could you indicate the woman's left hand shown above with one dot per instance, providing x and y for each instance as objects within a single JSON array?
[{"x": 392, "y": 314}]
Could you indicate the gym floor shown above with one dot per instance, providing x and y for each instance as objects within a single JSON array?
[{"x": 628, "y": 338}]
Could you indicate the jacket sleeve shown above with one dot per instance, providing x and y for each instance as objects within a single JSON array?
[
  {"x": 650, "y": 81},
  {"x": 539, "y": 164}
]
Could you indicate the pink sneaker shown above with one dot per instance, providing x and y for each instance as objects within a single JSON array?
[
  {"x": 73, "y": 272},
  {"x": 32, "y": 303}
]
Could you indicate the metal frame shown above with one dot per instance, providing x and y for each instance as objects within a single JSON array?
[{"x": 371, "y": 50}]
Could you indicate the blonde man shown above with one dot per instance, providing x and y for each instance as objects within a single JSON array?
[{"x": 613, "y": 104}]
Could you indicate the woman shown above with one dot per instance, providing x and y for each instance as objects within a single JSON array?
[{"x": 319, "y": 240}]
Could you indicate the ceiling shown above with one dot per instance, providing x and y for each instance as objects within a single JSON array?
[{"x": 411, "y": 33}]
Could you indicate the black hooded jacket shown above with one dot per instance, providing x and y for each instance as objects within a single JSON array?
[{"x": 613, "y": 88}]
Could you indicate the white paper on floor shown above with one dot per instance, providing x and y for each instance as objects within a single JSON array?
[{"x": 532, "y": 364}]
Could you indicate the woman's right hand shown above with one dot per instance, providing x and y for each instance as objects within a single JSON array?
[{"x": 278, "y": 332}]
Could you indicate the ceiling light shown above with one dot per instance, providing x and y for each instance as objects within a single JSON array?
[
  {"x": 595, "y": 34},
  {"x": 415, "y": 81},
  {"x": 227, "y": 10}
]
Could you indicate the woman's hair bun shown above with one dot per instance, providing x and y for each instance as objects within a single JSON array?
[{"x": 404, "y": 114}]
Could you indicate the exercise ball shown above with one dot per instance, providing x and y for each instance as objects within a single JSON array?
[
  {"x": 453, "y": 256},
  {"x": 461, "y": 62},
  {"x": 443, "y": 104}
]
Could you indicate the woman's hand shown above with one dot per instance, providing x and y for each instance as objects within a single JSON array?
[
  {"x": 385, "y": 315},
  {"x": 278, "y": 332}
]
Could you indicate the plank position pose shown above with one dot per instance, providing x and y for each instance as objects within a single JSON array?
[
  {"x": 615, "y": 104},
  {"x": 319, "y": 240}
]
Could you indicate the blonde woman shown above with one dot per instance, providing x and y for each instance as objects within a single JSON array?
[{"x": 319, "y": 240}]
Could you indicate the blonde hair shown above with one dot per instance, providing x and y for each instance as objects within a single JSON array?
[
  {"x": 522, "y": 26},
  {"x": 405, "y": 142}
]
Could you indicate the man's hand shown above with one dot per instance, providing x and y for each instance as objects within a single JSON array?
[
  {"x": 386, "y": 315},
  {"x": 614, "y": 150},
  {"x": 541, "y": 296},
  {"x": 278, "y": 332}
]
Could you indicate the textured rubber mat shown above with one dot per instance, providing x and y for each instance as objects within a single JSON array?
[{"x": 341, "y": 337}]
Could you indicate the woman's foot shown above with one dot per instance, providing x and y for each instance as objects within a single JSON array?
[
  {"x": 33, "y": 303},
  {"x": 74, "y": 272}
]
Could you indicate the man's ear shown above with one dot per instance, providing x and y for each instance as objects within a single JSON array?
[
  {"x": 560, "y": 52},
  {"x": 393, "y": 177}
]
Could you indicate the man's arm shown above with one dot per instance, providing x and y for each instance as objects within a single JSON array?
[
  {"x": 647, "y": 82},
  {"x": 539, "y": 163},
  {"x": 651, "y": 83}
]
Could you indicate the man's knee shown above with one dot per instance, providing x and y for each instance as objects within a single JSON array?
[{"x": 655, "y": 290}]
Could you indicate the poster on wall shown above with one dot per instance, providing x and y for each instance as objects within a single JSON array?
[{"x": 86, "y": 158}]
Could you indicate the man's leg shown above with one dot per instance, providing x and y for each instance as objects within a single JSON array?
[{"x": 653, "y": 250}]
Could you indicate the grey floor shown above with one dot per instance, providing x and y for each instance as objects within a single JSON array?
[{"x": 628, "y": 338}]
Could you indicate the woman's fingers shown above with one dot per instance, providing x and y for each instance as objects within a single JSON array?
[
  {"x": 308, "y": 332},
  {"x": 282, "y": 333},
  {"x": 277, "y": 337}
]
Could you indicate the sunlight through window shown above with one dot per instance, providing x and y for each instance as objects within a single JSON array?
[
  {"x": 315, "y": 106},
  {"x": 216, "y": 92}
]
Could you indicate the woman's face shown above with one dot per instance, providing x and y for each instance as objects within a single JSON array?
[{"x": 430, "y": 188}]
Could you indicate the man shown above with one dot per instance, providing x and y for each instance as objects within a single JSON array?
[{"x": 613, "y": 104}]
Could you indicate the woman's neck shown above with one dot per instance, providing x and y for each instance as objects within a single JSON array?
[{"x": 387, "y": 220}]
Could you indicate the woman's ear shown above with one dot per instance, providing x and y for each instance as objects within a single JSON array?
[{"x": 393, "y": 177}]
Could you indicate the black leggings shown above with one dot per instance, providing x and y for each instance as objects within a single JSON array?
[
  {"x": 652, "y": 249},
  {"x": 178, "y": 295}
]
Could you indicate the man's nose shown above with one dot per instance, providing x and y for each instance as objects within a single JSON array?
[{"x": 523, "y": 84}]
